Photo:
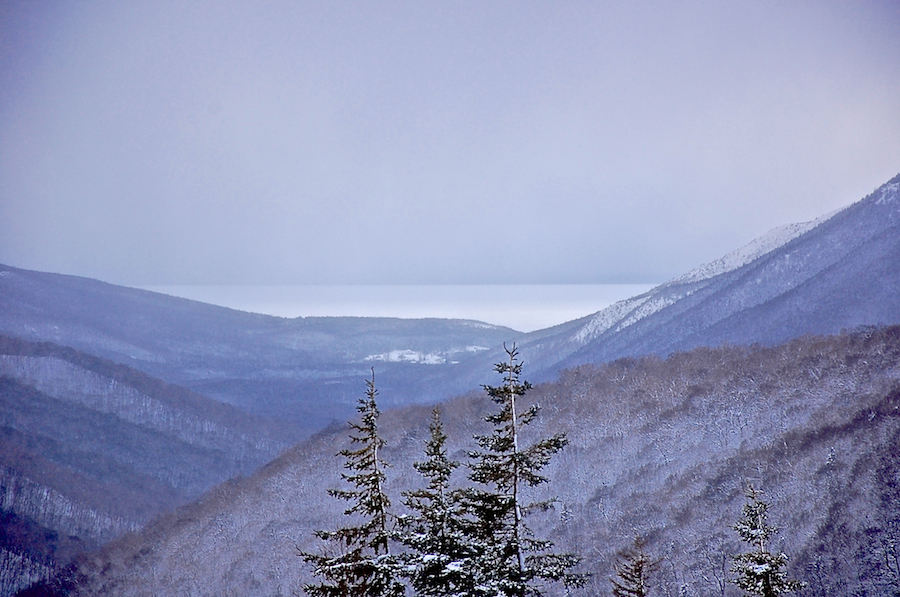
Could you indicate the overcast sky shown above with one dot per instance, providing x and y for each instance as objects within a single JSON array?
[{"x": 288, "y": 142}]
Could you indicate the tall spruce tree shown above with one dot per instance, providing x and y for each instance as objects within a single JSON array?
[
  {"x": 440, "y": 557},
  {"x": 760, "y": 572},
  {"x": 510, "y": 560},
  {"x": 359, "y": 562}
]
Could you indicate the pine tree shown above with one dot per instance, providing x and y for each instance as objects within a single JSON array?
[
  {"x": 510, "y": 560},
  {"x": 360, "y": 563},
  {"x": 633, "y": 570},
  {"x": 440, "y": 557},
  {"x": 760, "y": 572}
]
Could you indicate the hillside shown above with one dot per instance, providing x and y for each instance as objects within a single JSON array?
[
  {"x": 129, "y": 421},
  {"x": 90, "y": 449},
  {"x": 657, "y": 447},
  {"x": 302, "y": 370},
  {"x": 838, "y": 272}
]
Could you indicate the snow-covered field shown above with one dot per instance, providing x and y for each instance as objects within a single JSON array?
[{"x": 521, "y": 307}]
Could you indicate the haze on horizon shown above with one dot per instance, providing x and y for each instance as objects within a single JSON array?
[{"x": 281, "y": 142}]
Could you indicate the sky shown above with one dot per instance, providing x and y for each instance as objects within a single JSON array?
[{"x": 288, "y": 142}]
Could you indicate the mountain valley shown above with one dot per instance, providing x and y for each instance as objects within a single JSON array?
[{"x": 776, "y": 364}]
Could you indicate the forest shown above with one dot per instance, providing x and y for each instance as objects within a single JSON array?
[{"x": 658, "y": 458}]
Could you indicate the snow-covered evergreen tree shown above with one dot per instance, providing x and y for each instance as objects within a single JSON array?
[
  {"x": 440, "y": 558},
  {"x": 359, "y": 562},
  {"x": 760, "y": 572},
  {"x": 633, "y": 570},
  {"x": 510, "y": 560}
]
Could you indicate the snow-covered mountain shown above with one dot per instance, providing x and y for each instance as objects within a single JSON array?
[
  {"x": 629, "y": 311},
  {"x": 839, "y": 271}
]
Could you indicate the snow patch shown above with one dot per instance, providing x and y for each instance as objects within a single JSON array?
[
  {"x": 766, "y": 243},
  {"x": 889, "y": 193},
  {"x": 650, "y": 307},
  {"x": 607, "y": 318},
  {"x": 424, "y": 358},
  {"x": 408, "y": 356}
]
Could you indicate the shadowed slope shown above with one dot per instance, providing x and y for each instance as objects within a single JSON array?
[{"x": 90, "y": 449}]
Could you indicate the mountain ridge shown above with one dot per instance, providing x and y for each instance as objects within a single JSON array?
[
  {"x": 693, "y": 310},
  {"x": 239, "y": 357},
  {"x": 303, "y": 367}
]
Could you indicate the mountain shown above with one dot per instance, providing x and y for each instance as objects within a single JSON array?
[
  {"x": 301, "y": 375},
  {"x": 838, "y": 272},
  {"x": 301, "y": 370},
  {"x": 91, "y": 449},
  {"x": 660, "y": 448},
  {"x": 118, "y": 404},
  {"x": 820, "y": 277}
]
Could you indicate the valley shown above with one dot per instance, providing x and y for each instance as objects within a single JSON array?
[{"x": 150, "y": 442}]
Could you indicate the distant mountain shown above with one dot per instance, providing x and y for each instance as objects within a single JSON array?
[
  {"x": 660, "y": 448},
  {"x": 90, "y": 449},
  {"x": 303, "y": 370},
  {"x": 838, "y": 272}
]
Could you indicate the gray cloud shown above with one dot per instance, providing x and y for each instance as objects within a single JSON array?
[{"x": 403, "y": 142}]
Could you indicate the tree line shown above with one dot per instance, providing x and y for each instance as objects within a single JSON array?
[{"x": 474, "y": 540}]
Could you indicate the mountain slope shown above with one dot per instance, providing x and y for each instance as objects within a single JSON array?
[
  {"x": 90, "y": 449},
  {"x": 301, "y": 370},
  {"x": 819, "y": 277},
  {"x": 830, "y": 256},
  {"x": 659, "y": 448},
  {"x": 838, "y": 272}
]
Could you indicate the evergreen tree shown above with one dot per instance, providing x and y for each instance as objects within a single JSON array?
[
  {"x": 360, "y": 563},
  {"x": 440, "y": 557},
  {"x": 633, "y": 570},
  {"x": 760, "y": 572},
  {"x": 510, "y": 561}
]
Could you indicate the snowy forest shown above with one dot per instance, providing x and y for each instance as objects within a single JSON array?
[
  {"x": 717, "y": 471},
  {"x": 474, "y": 540}
]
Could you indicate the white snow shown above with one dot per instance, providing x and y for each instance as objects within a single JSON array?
[
  {"x": 889, "y": 193},
  {"x": 629, "y": 311},
  {"x": 605, "y": 319},
  {"x": 649, "y": 307},
  {"x": 626, "y": 313},
  {"x": 766, "y": 243},
  {"x": 408, "y": 356}
]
